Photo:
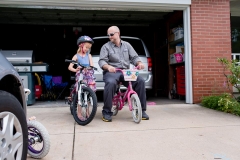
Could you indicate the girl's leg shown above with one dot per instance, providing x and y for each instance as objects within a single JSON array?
[{"x": 79, "y": 113}]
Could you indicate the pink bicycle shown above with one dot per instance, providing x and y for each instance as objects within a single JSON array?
[{"x": 129, "y": 96}]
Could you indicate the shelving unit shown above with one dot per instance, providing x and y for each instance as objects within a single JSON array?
[
  {"x": 173, "y": 43},
  {"x": 174, "y": 84}
]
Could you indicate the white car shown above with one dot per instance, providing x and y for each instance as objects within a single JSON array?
[
  {"x": 139, "y": 47},
  {"x": 13, "y": 123}
]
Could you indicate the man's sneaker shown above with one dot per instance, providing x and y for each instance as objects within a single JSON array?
[
  {"x": 144, "y": 116},
  {"x": 107, "y": 118}
]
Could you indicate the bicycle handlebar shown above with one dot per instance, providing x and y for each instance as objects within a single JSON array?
[
  {"x": 75, "y": 62},
  {"x": 118, "y": 69}
]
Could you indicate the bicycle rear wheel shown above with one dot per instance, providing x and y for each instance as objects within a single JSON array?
[
  {"x": 137, "y": 108},
  {"x": 88, "y": 111}
]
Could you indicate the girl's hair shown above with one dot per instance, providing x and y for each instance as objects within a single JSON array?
[
  {"x": 79, "y": 49},
  {"x": 80, "y": 46}
]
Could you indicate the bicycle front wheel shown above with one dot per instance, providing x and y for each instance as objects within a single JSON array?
[
  {"x": 88, "y": 109},
  {"x": 38, "y": 140},
  {"x": 115, "y": 108},
  {"x": 137, "y": 108}
]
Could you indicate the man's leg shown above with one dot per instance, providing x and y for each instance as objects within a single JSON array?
[
  {"x": 139, "y": 87},
  {"x": 110, "y": 80}
]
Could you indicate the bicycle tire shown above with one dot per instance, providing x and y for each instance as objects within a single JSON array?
[
  {"x": 94, "y": 106},
  {"x": 72, "y": 97},
  {"x": 36, "y": 129},
  {"x": 137, "y": 108},
  {"x": 13, "y": 128},
  {"x": 115, "y": 108}
]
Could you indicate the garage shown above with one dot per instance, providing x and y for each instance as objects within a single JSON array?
[{"x": 51, "y": 29}]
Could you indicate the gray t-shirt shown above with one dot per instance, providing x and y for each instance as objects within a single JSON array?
[{"x": 118, "y": 57}]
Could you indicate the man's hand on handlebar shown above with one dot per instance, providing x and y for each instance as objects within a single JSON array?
[
  {"x": 111, "y": 69},
  {"x": 140, "y": 66}
]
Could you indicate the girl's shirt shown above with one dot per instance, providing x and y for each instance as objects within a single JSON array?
[{"x": 83, "y": 60}]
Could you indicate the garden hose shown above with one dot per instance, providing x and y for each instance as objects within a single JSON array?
[{"x": 38, "y": 79}]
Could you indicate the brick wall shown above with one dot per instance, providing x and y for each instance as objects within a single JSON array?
[{"x": 211, "y": 38}]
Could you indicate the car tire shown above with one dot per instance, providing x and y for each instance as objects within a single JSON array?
[{"x": 13, "y": 128}]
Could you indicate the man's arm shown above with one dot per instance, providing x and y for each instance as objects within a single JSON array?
[
  {"x": 103, "y": 60},
  {"x": 134, "y": 58}
]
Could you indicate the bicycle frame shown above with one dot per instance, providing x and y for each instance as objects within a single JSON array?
[
  {"x": 79, "y": 84},
  {"x": 122, "y": 97}
]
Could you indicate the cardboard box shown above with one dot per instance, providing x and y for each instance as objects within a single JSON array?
[
  {"x": 182, "y": 50},
  {"x": 179, "y": 49},
  {"x": 171, "y": 38}
]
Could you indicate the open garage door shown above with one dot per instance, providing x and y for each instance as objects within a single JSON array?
[{"x": 51, "y": 28}]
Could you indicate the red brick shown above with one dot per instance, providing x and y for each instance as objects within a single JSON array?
[{"x": 211, "y": 39}]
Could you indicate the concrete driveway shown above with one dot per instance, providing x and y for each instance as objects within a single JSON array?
[{"x": 175, "y": 131}]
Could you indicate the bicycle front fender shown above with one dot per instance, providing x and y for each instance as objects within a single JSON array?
[{"x": 129, "y": 99}]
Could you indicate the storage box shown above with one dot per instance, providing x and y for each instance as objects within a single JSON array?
[
  {"x": 179, "y": 49},
  {"x": 172, "y": 59},
  {"x": 176, "y": 58},
  {"x": 178, "y": 34}
]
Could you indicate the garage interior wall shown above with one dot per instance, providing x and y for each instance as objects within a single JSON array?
[{"x": 211, "y": 39}]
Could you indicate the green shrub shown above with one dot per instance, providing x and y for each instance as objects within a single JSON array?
[
  {"x": 236, "y": 110},
  {"x": 211, "y": 101},
  {"x": 223, "y": 102},
  {"x": 226, "y": 102}
]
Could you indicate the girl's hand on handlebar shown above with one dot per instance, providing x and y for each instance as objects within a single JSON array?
[
  {"x": 78, "y": 68},
  {"x": 111, "y": 69}
]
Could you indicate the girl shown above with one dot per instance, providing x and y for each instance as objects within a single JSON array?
[{"x": 85, "y": 58}]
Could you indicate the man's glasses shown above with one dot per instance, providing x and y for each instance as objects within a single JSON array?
[{"x": 111, "y": 34}]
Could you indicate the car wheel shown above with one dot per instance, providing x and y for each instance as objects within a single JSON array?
[{"x": 13, "y": 128}]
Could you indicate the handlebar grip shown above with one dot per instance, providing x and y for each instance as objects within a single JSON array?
[
  {"x": 67, "y": 60},
  {"x": 72, "y": 61},
  {"x": 93, "y": 68}
]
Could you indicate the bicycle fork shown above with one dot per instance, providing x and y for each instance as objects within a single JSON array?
[{"x": 85, "y": 100}]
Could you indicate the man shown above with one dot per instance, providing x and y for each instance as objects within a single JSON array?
[{"x": 119, "y": 54}]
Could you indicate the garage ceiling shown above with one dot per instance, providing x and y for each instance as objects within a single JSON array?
[
  {"x": 53, "y": 16},
  {"x": 78, "y": 17}
]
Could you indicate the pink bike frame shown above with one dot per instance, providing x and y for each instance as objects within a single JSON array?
[{"x": 122, "y": 97}]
